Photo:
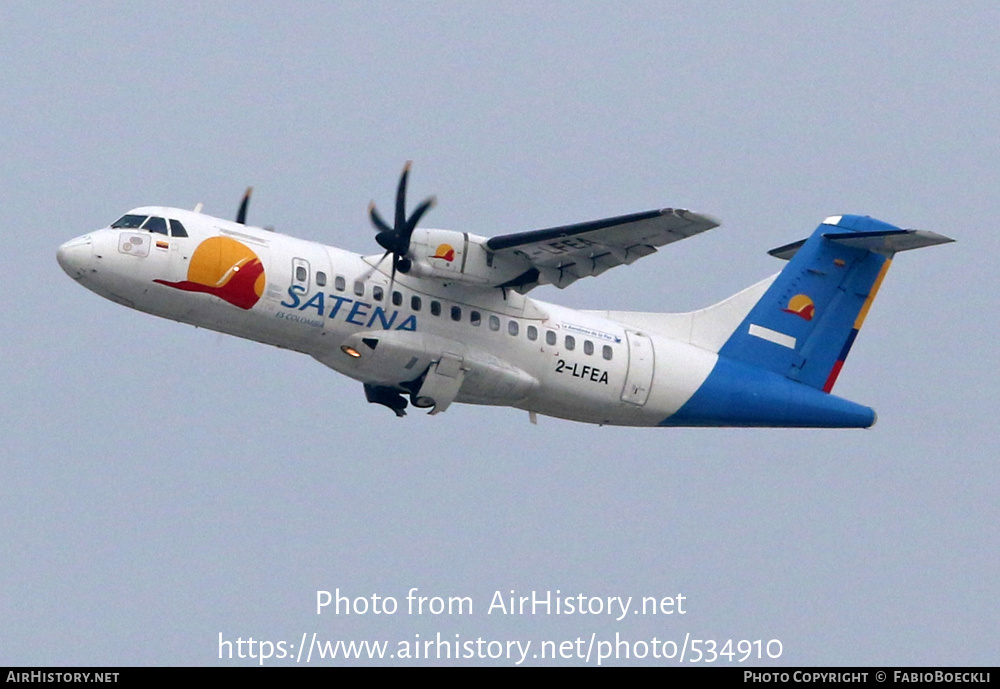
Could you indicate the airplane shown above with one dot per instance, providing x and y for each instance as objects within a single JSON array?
[{"x": 446, "y": 319}]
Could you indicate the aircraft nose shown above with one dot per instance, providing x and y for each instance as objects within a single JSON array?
[{"x": 75, "y": 256}]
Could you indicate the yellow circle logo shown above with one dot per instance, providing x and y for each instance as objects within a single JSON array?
[
  {"x": 226, "y": 268},
  {"x": 801, "y": 306}
]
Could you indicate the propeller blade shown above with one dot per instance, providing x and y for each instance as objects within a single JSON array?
[
  {"x": 411, "y": 224},
  {"x": 241, "y": 214},
  {"x": 401, "y": 198},
  {"x": 368, "y": 273},
  {"x": 377, "y": 219},
  {"x": 396, "y": 239},
  {"x": 386, "y": 240}
]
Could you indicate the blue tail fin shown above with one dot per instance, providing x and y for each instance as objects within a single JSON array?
[
  {"x": 805, "y": 323},
  {"x": 787, "y": 352}
]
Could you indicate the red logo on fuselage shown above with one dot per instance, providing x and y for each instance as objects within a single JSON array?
[{"x": 226, "y": 269}]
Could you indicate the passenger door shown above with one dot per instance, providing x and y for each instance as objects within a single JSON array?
[{"x": 639, "y": 378}]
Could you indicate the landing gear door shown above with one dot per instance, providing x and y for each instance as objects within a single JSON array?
[
  {"x": 442, "y": 383},
  {"x": 640, "y": 369}
]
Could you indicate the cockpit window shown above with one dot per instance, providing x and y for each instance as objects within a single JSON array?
[
  {"x": 155, "y": 224},
  {"x": 176, "y": 229},
  {"x": 129, "y": 222}
]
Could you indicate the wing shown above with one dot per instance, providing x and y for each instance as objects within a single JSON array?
[{"x": 562, "y": 255}]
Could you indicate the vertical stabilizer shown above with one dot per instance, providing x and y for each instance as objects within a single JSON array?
[
  {"x": 776, "y": 367},
  {"x": 803, "y": 327}
]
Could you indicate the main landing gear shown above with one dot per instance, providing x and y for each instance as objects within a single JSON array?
[{"x": 389, "y": 397}]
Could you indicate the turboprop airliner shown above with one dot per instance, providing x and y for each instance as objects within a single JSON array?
[{"x": 442, "y": 316}]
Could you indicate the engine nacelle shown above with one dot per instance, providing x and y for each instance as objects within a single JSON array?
[{"x": 448, "y": 255}]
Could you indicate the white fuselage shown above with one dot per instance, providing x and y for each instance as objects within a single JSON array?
[{"x": 318, "y": 299}]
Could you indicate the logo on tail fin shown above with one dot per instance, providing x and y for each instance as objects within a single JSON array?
[{"x": 802, "y": 306}]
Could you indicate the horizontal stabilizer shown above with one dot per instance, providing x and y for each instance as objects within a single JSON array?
[
  {"x": 888, "y": 242},
  {"x": 885, "y": 242},
  {"x": 786, "y": 252}
]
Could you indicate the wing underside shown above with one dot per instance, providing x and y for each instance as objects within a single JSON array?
[{"x": 562, "y": 255}]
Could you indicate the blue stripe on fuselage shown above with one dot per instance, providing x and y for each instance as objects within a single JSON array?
[{"x": 737, "y": 394}]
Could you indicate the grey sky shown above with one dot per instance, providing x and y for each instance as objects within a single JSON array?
[{"x": 161, "y": 484}]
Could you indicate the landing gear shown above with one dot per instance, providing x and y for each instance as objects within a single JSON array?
[
  {"x": 389, "y": 397},
  {"x": 434, "y": 389}
]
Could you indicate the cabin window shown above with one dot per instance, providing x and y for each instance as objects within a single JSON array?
[
  {"x": 415, "y": 303},
  {"x": 607, "y": 352},
  {"x": 176, "y": 229},
  {"x": 494, "y": 323},
  {"x": 397, "y": 298},
  {"x": 456, "y": 313},
  {"x": 435, "y": 308},
  {"x": 588, "y": 347},
  {"x": 359, "y": 288},
  {"x": 532, "y": 333},
  {"x": 340, "y": 283},
  {"x": 512, "y": 328},
  {"x": 550, "y": 337},
  {"x": 300, "y": 273},
  {"x": 129, "y": 222},
  {"x": 320, "y": 278},
  {"x": 377, "y": 293},
  {"x": 157, "y": 225},
  {"x": 570, "y": 343},
  {"x": 475, "y": 318}
]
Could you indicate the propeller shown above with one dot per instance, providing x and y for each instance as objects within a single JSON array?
[
  {"x": 241, "y": 214},
  {"x": 396, "y": 239}
]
